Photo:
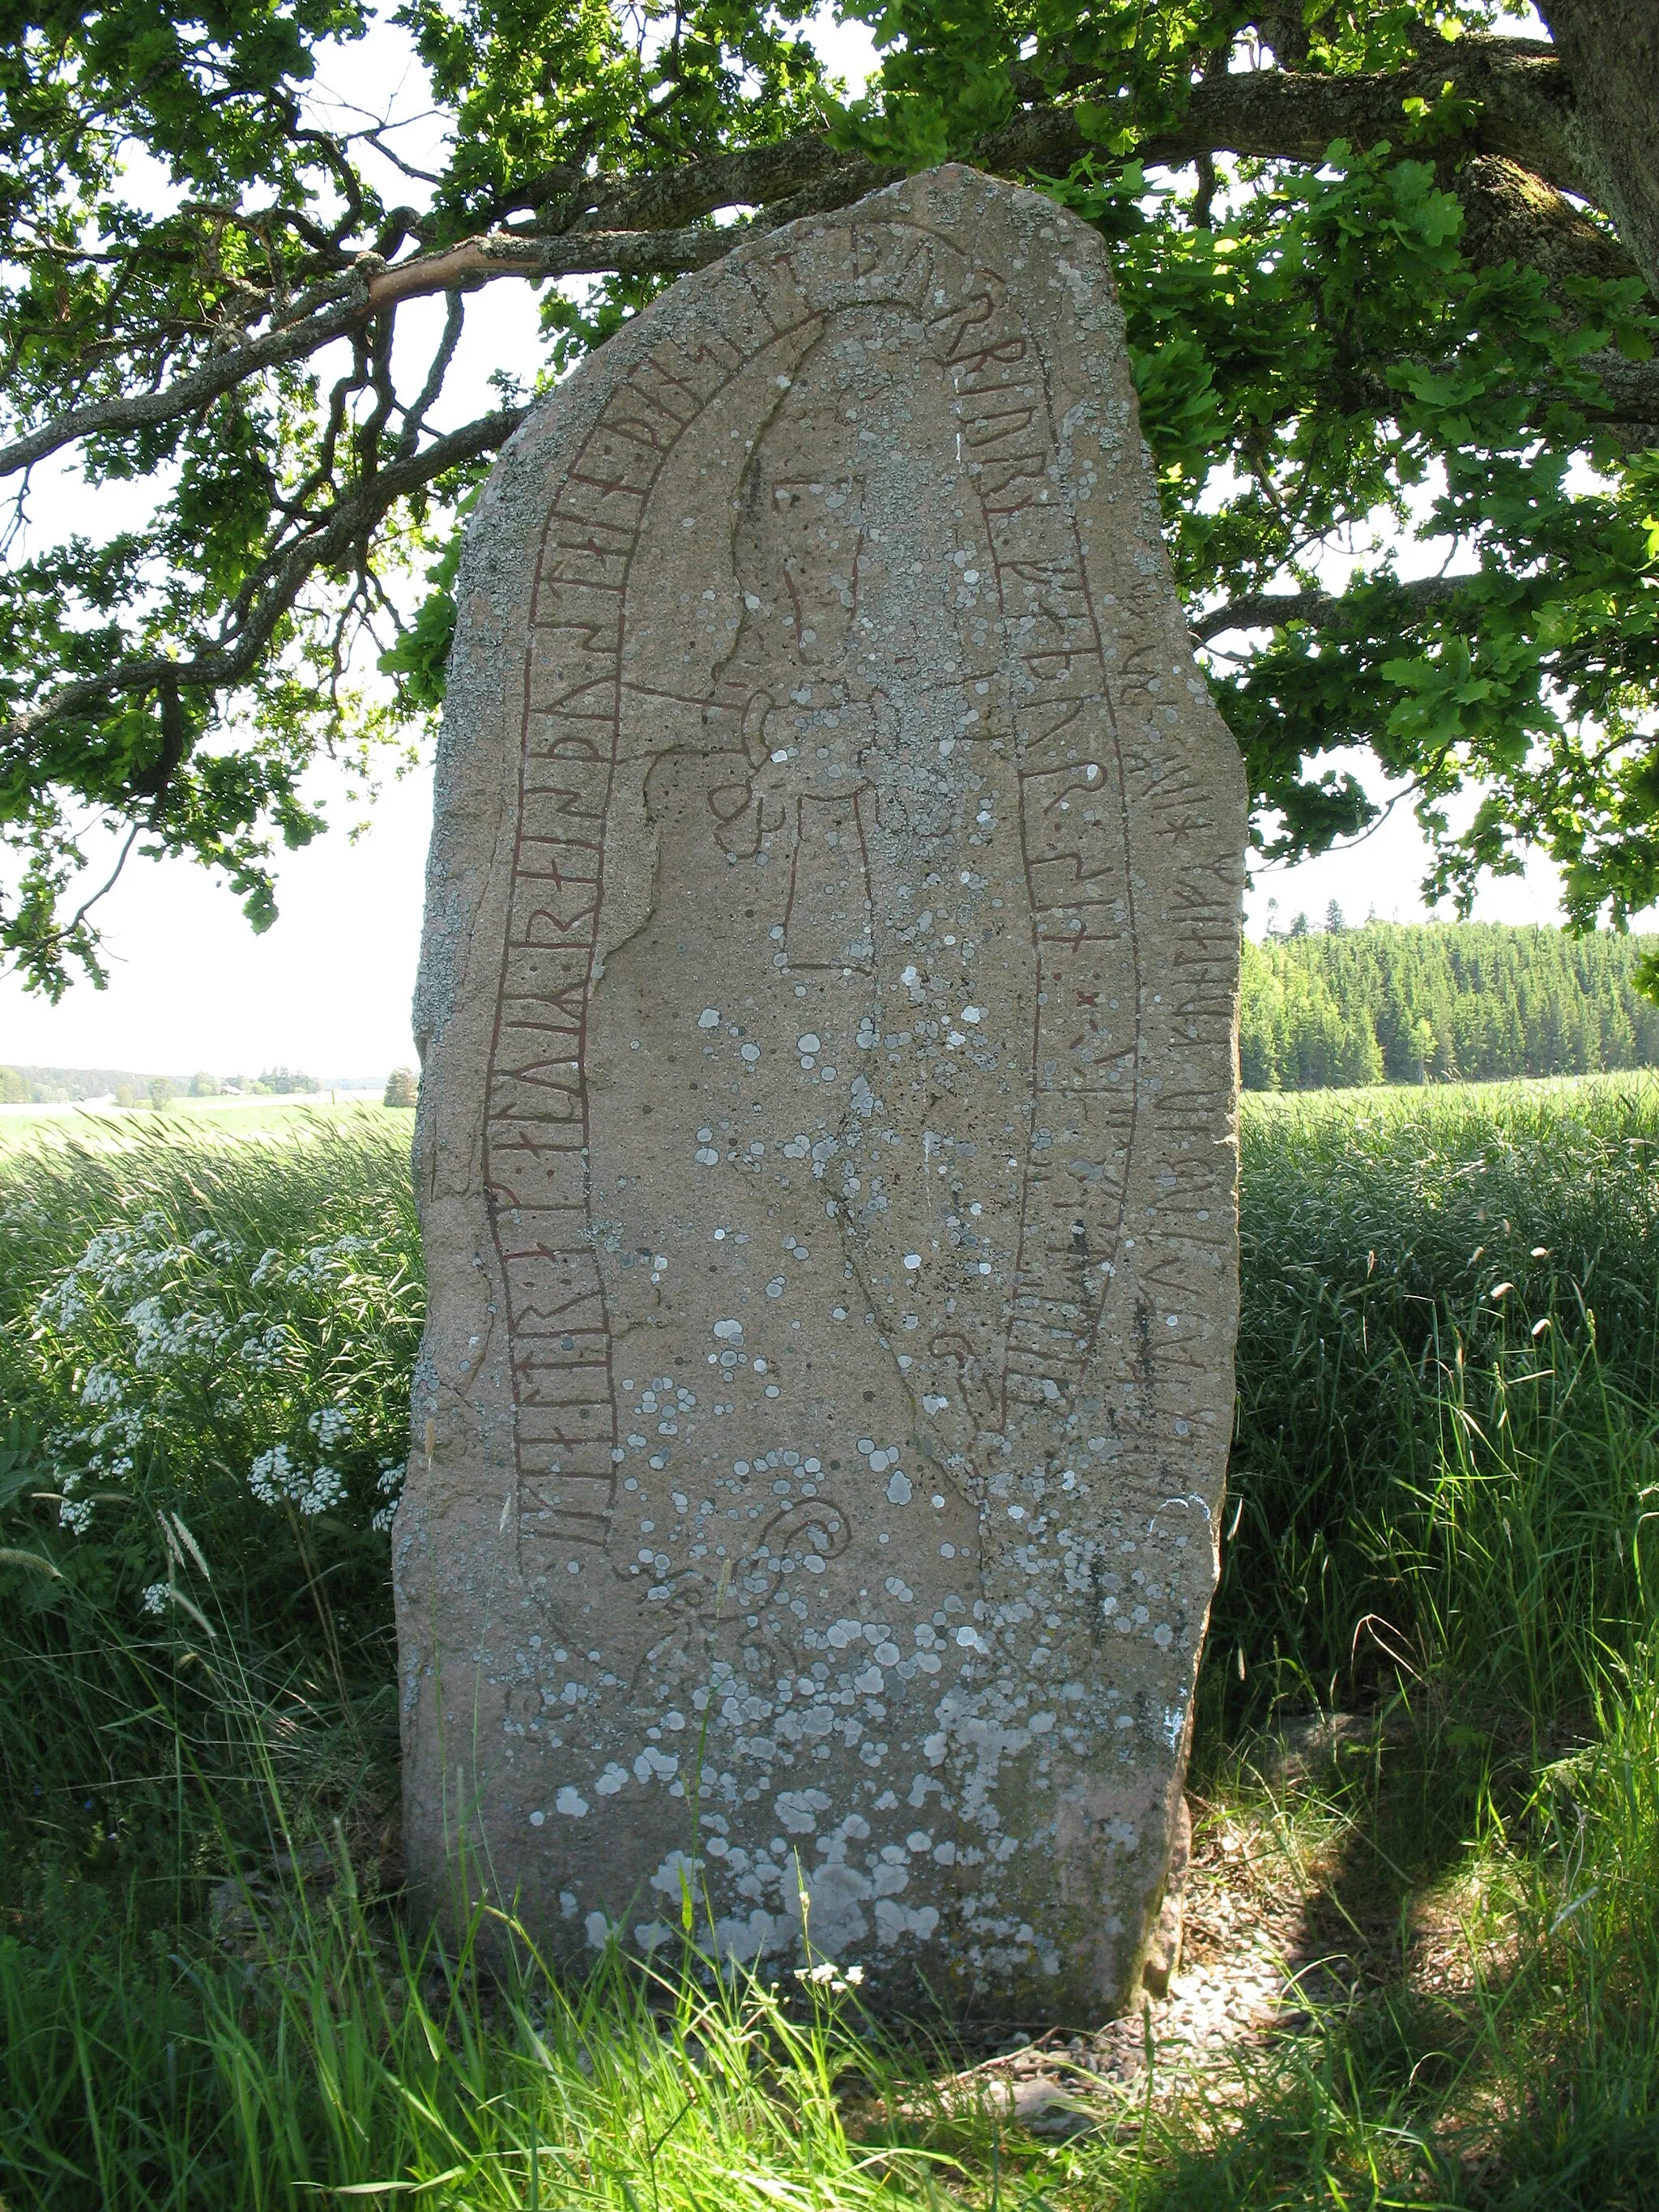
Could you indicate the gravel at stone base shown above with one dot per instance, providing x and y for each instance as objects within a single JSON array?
[{"x": 1251, "y": 1961}]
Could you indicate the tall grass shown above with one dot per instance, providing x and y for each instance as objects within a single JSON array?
[
  {"x": 343, "y": 2058},
  {"x": 167, "y": 1317},
  {"x": 1442, "y": 1516},
  {"x": 1443, "y": 1467}
]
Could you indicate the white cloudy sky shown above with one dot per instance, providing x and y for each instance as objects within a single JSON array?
[{"x": 328, "y": 987}]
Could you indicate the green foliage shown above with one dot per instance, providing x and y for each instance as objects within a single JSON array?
[
  {"x": 1280, "y": 361},
  {"x": 337, "y": 2059},
  {"x": 1324, "y": 355},
  {"x": 1393, "y": 1002},
  {"x": 401, "y": 1088},
  {"x": 204, "y": 1355},
  {"x": 419, "y": 660},
  {"x": 546, "y": 90}
]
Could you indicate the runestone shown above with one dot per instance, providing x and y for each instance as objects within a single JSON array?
[{"x": 827, "y": 1146}]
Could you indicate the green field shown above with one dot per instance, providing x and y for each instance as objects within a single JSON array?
[
  {"x": 188, "y": 1119},
  {"x": 1445, "y": 1491}
]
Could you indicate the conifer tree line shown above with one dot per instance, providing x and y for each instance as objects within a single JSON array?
[{"x": 1437, "y": 1002}]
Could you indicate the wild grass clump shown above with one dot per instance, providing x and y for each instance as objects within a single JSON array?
[
  {"x": 212, "y": 1995},
  {"x": 204, "y": 1356},
  {"x": 1444, "y": 1469},
  {"x": 338, "y": 2057}
]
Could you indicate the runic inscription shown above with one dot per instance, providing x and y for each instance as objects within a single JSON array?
[{"x": 827, "y": 1151}]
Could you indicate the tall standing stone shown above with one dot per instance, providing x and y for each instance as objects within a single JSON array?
[{"x": 826, "y": 1154}]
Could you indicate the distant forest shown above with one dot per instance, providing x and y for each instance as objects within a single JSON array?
[
  {"x": 1439, "y": 1002},
  {"x": 58, "y": 1086},
  {"x": 54, "y": 1086}
]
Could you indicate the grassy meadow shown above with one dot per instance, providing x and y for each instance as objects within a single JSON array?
[
  {"x": 184, "y": 1118},
  {"x": 1441, "y": 1526}
]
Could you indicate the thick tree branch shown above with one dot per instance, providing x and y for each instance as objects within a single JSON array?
[
  {"x": 220, "y": 373},
  {"x": 477, "y": 261},
  {"x": 1510, "y": 215},
  {"x": 655, "y": 225},
  {"x": 1609, "y": 49},
  {"x": 1322, "y": 610},
  {"x": 1628, "y": 403},
  {"x": 1525, "y": 115},
  {"x": 1632, "y": 395},
  {"x": 325, "y": 546},
  {"x": 751, "y": 176},
  {"x": 371, "y": 289}
]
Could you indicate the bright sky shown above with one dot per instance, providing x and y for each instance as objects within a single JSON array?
[{"x": 328, "y": 989}]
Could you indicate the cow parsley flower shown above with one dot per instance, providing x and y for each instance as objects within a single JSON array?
[
  {"x": 274, "y": 1480},
  {"x": 270, "y": 1475},
  {"x": 327, "y": 1488},
  {"x": 390, "y": 1484},
  {"x": 330, "y": 1424},
  {"x": 265, "y": 1351},
  {"x": 209, "y": 1244}
]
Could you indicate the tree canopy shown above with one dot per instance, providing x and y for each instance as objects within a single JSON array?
[{"x": 1390, "y": 276}]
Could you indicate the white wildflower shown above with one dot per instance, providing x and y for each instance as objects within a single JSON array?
[
  {"x": 319, "y": 1261},
  {"x": 270, "y": 1475},
  {"x": 124, "y": 1430},
  {"x": 327, "y": 1488},
  {"x": 390, "y": 1484},
  {"x": 65, "y": 1306},
  {"x": 265, "y": 1351},
  {"x": 273, "y": 1479},
  {"x": 212, "y": 1246},
  {"x": 828, "y": 1975},
  {"x": 164, "y": 1338},
  {"x": 101, "y": 1388},
  {"x": 330, "y": 1424}
]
